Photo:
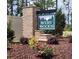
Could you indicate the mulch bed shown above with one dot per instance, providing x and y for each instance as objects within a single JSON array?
[{"x": 60, "y": 51}]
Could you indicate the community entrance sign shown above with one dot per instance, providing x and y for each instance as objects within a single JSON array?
[{"x": 46, "y": 20}]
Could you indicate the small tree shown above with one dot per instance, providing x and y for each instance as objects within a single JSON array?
[
  {"x": 10, "y": 33},
  {"x": 60, "y": 22}
]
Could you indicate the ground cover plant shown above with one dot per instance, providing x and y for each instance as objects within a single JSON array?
[{"x": 45, "y": 52}]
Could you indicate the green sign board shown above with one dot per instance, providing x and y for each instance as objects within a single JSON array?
[{"x": 46, "y": 21}]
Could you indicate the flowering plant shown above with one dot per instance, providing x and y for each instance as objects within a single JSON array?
[
  {"x": 33, "y": 42},
  {"x": 45, "y": 52}
]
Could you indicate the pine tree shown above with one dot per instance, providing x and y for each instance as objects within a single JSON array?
[{"x": 44, "y": 4}]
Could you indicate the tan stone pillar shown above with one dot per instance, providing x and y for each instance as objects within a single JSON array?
[{"x": 29, "y": 21}]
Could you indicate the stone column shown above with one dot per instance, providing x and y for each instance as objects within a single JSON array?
[{"x": 29, "y": 21}]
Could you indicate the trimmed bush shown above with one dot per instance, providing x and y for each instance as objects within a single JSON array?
[
  {"x": 52, "y": 41},
  {"x": 24, "y": 40}
]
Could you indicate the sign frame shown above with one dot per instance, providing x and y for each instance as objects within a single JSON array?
[{"x": 49, "y": 12}]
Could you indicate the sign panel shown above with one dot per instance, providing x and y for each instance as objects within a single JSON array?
[{"x": 46, "y": 21}]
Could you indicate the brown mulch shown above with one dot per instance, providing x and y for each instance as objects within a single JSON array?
[{"x": 61, "y": 51}]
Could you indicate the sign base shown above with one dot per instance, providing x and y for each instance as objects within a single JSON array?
[{"x": 44, "y": 37}]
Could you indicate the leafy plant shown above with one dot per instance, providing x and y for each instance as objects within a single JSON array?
[
  {"x": 24, "y": 40},
  {"x": 66, "y": 33},
  {"x": 46, "y": 52},
  {"x": 10, "y": 33},
  {"x": 32, "y": 42}
]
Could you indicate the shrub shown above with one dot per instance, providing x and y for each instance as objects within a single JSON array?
[
  {"x": 24, "y": 40},
  {"x": 46, "y": 52},
  {"x": 10, "y": 33},
  {"x": 52, "y": 41},
  {"x": 67, "y": 33},
  {"x": 32, "y": 42}
]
